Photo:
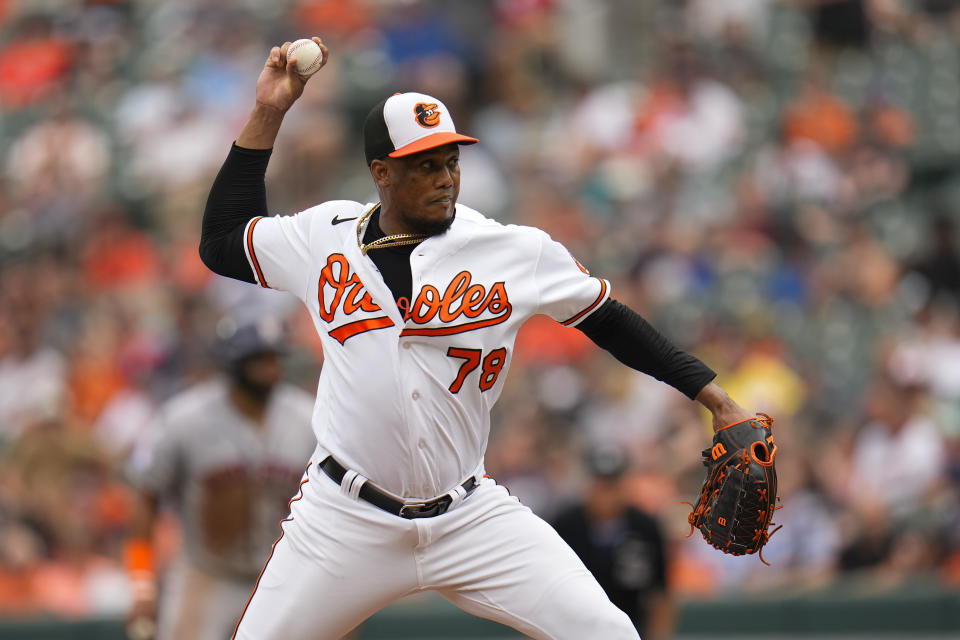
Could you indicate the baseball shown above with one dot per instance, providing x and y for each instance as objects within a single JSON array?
[{"x": 308, "y": 55}]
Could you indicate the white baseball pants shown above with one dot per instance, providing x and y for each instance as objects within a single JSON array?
[{"x": 340, "y": 559}]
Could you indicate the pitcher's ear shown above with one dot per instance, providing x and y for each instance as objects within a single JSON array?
[{"x": 381, "y": 172}]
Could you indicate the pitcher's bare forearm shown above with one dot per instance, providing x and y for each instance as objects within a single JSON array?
[
  {"x": 724, "y": 409},
  {"x": 262, "y": 128}
]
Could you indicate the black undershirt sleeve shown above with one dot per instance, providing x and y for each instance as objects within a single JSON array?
[
  {"x": 634, "y": 342},
  {"x": 238, "y": 194}
]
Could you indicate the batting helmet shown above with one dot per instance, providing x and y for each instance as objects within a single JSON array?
[
  {"x": 606, "y": 460},
  {"x": 236, "y": 343}
]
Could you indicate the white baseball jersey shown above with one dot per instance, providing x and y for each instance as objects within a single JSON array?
[{"x": 406, "y": 401}]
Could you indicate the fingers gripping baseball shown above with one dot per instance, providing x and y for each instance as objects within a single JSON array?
[{"x": 280, "y": 84}]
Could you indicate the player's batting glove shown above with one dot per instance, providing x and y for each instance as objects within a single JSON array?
[{"x": 735, "y": 509}]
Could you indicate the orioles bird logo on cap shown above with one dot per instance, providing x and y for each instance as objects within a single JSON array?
[{"x": 427, "y": 113}]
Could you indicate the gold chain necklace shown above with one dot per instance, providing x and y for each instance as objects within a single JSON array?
[{"x": 395, "y": 240}]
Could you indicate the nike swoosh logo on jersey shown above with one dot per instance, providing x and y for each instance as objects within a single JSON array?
[{"x": 337, "y": 219}]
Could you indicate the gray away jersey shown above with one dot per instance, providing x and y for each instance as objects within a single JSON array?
[{"x": 230, "y": 479}]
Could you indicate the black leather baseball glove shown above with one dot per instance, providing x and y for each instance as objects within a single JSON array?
[{"x": 738, "y": 497}]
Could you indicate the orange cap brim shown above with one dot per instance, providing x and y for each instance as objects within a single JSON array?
[{"x": 432, "y": 141}]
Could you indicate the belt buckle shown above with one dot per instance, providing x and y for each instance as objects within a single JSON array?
[
  {"x": 421, "y": 509},
  {"x": 412, "y": 510}
]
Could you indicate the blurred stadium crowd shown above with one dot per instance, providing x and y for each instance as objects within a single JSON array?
[{"x": 774, "y": 184}]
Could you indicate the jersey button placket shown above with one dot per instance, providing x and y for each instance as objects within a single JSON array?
[
  {"x": 419, "y": 264},
  {"x": 409, "y": 382}
]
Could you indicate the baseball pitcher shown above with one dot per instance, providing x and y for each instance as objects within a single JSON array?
[{"x": 417, "y": 300}]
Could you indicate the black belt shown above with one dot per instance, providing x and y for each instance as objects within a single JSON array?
[{"x": 377, "y": 498}]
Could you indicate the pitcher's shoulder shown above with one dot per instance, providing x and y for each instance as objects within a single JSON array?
[
  {"x": 334, "y": 211},
  {"x": 472, "y": 217}
]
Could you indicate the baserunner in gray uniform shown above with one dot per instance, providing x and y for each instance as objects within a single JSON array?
[{"x": 230, "y": 453}]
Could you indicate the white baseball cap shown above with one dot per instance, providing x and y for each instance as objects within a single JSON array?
[{"x": 408, "y": 123}]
